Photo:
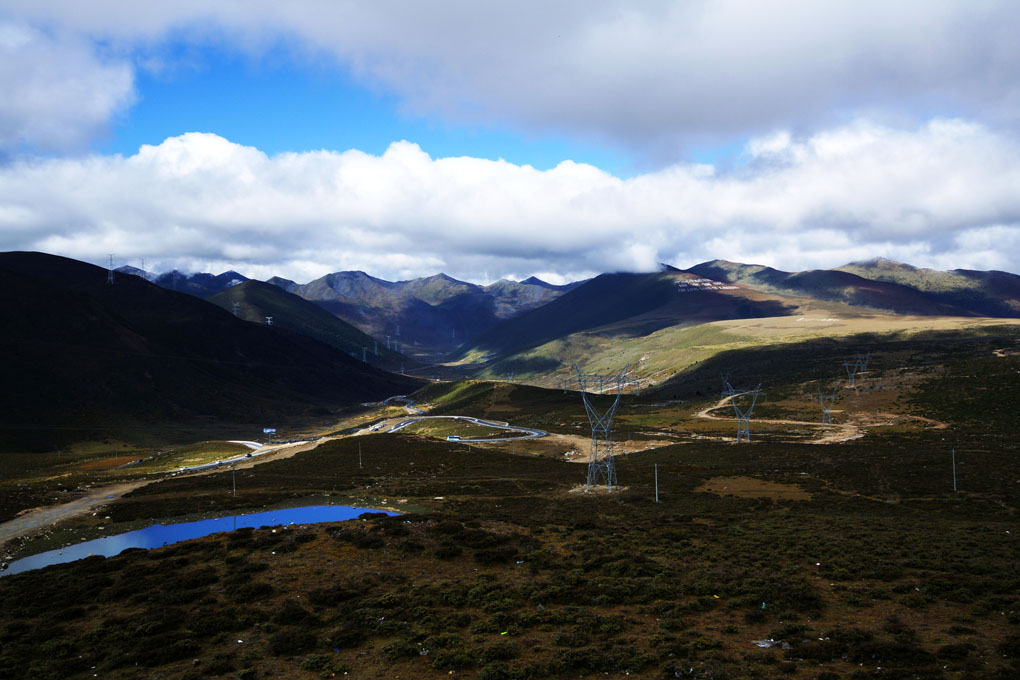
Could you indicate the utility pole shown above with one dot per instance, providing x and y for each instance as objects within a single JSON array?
[
  {"x": 359, "y": 456},
  {"x": 109, "y": 271},
  {"x": 954, "y": 470},
  {"x": 233, "y": 476},
  {"x": 656, "y": 482},
  {"x": 376, "y": 347},
  {"x": 364, "y": 355}
]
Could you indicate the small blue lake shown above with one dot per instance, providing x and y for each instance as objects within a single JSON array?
[{"x": 159, "y": 535}]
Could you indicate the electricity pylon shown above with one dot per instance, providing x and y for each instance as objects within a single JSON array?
[
  {"x": 851, "y": 372},
  {"x": 601, "y": 464},
  {"x": 744, "y": 414},
  {"x": 827, "y": 401}
]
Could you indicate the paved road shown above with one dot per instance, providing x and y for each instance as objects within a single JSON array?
[
  {"x": 529, "y": 433},
  {"x": 408, "y": 403}
]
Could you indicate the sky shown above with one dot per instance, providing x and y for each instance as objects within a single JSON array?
[{"x": 508, "y": 139}]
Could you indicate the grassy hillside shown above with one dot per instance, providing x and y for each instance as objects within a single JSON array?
[
  {"x": 656, "y": 356},
  {"x": 833, "y": 286},
  {"x": 992, "y": 293},
  {"x": 620, "y": 306},
  {"x": 87, "y": 360}
]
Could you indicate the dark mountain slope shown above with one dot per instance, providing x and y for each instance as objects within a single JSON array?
[
  {"x": 257, "y": 300},
  {"x": 84, "y": 359}
]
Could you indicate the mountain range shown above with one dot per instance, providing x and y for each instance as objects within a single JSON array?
[
  {"x": 530, "y": 327},
  {"x": 423, "y": 317}
]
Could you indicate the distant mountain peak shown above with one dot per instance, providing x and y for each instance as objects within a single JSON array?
[
  {"x": 882, "y": 263},
  {"x": 135, "y": 271}
]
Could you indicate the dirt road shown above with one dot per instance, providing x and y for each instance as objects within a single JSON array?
[
  {"x": 39, "y": 518},
  {"x": 842, "y": 432},
  {"x": 838, "y": 432}
]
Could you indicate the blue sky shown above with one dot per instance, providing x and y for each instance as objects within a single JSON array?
[
  {"x": 279, "y": 102},
  {"x": 795, "y": 134}
]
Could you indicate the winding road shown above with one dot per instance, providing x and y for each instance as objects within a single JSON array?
[
  {"x": 835, "y": 433},
  {"x": 529, "y": 433}
]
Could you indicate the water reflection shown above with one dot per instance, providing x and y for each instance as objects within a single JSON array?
[{"x": 159, "y": 535}]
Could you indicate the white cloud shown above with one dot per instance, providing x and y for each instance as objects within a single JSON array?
[
  {"x": 943, "y": 194},
  {"x": 651, "y": 76},
  {"x": 58, "y": 95}
]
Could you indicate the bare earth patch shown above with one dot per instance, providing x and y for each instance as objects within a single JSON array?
[
  {"x": 750, "y": 487},
  {"x": 574, "y": 448}
]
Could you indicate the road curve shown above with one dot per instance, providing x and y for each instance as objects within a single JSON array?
[{"x": 529, "y": 433}]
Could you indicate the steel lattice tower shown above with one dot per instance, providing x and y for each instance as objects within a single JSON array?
[
  {"x": 601, "y": 464},
  {"x": 744, "y": 414},
  {"x": 851, "y": 372},
  {"x": 862, "y": 361},
  {"x": 827, "y": 401}
]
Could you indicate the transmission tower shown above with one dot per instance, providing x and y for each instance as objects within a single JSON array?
[
  {"x": 601, "y": 464},
  {"x": 851, "y": 372},
  {"x": 744, "y": 414},
  {"x": 364, "y": 355},
  {"x": 269, "y": 321},
  {"x": 863, "y": 360},
  {"x": 827, "y": 401},
  {"x": 236, "y": 308},
  {"x": 109, "y": 271}
]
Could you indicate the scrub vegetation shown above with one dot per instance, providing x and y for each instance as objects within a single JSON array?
[{"x": 780, "y": 558}]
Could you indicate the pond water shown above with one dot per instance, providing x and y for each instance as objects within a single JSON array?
[{"x": 159, "y": 535}]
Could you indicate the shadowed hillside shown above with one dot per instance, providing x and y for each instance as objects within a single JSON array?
[
  {"x": 87, "y": 360},
  {"x": 257, "y": 300}
]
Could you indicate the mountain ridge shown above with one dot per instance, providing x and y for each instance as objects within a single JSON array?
[{"x": 137, "y": 361}]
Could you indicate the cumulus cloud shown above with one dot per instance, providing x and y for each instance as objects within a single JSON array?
[
  {"x": 653, "y": 76},
  {"x": 943, "y": 194},
  {"x": 58, "y": 94}
]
